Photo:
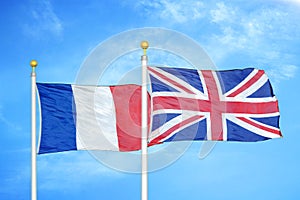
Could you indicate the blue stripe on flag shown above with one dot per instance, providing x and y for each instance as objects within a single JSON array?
[{"x": 58, "y": 118}]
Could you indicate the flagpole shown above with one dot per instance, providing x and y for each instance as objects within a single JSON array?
[
  {"x": 33, "y": 65},
  {"x": 144, "y": 140}
]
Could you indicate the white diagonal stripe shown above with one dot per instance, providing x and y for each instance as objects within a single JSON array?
[{"x": 254, "y": 87}]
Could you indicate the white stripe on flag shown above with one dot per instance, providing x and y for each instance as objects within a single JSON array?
[{"x": 95, "y": 119}]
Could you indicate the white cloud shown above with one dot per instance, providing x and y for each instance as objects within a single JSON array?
[
  {"x": 296, "y": 2},
  {"x": 230, "y": 26},
  {"x": 284, "y": 72},
  {"x": 289, "y": 71},
  {"x": 44, "y": 20},
  {"x": 223, "y": 13},
  {"x": 261, "y": 33},
  {"x": 173, "y": 11}
]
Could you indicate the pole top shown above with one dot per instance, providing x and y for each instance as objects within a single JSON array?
[
  {"x": 33, "y": 63},
  {"x": 144, "y": 46}
]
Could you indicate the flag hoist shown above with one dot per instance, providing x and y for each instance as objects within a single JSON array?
[
  {"x": 33, "y": 65},
  {"x": 144, "y": 139}
]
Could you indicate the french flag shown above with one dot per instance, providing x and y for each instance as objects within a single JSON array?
[{"x": 75, "y": 117}]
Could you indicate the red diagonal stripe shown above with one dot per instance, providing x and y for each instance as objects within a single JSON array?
[
  {"x": 255, "y": 78},
  {"x": 275, "y": 131}
]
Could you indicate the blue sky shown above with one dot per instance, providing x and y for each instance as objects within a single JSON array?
[{"x": 235, "y": 34}]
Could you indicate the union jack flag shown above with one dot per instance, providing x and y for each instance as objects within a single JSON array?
[{"x": 232, "y": 105}]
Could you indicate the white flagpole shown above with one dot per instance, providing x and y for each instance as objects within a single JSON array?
[
  {"x": 33, "y": 65},
  {"x": 144, "y": 139}
]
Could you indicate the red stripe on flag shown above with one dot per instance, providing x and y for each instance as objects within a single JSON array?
[
  {"x": 182, "y": 103},
  {"x": 257, "y": 76},
  {"x": 271, "y": 130},
  {"x": 127, "y": 100},
  {"x": 217, "y": 107}
]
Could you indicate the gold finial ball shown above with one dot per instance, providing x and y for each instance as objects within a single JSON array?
[
  {"x": 33, "y": 63},
  {"x": 144, "y": 44}
]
